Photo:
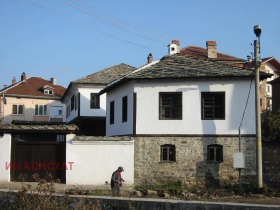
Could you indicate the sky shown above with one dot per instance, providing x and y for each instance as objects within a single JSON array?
[{"x": 70, "y": 39}]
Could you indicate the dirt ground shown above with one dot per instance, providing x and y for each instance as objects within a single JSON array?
[{"x": 218, "y": 195}]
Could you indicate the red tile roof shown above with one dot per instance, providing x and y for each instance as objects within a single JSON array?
[
  {"x": 33, "y": 87},
  {"x": 200, "y": 52}
]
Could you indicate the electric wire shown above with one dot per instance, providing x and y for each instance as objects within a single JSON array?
[
  {"x": 89, "y": 11},
  {"x": 244, "y": 111},
  {"x": 87, "y": 26}
]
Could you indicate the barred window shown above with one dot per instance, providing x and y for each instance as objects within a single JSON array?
[
  {"x": 170, "y": 106},
  {"x": 213, "y": 105},
  {"x": 94, "y": 101},
  {"x": 168, "y": 153}
]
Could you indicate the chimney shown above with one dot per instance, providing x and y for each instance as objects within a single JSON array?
[
  {"x": 211, "y": 49},
  {"x": 150, "y": 58},
  {"x": 53, "y": 81},
  {"x": 174, "y": 47},
  {"x": 23, "y": 77},
  {"x": 14, "y": 81}
]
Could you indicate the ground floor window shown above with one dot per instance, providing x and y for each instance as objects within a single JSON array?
[
  {"x": 215, "y": 153},
  {"x": 168, "y": 152}
]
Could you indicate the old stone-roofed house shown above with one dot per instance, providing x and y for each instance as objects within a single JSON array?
[
  {"x": 269, "y": 65},
  {"x": 184, "y": 113},
  {"x": 32, "y": 99},
  {"x": 84, "y": 105}
]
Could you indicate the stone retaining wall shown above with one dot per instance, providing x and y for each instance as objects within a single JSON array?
[{"x": 191, "y": 166}]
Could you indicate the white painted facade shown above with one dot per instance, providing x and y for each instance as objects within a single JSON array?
[
  {"x": 95, "y": 161},
  {"x": 83, "y": 102},
  {"x": 5, "y": 157},
  {"x": 147, "y": 108}
]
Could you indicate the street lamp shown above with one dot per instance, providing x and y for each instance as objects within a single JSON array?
[{"x": 257, "y": 31}]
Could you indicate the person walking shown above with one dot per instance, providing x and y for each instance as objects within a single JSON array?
[{"x": 116, "y": 181}]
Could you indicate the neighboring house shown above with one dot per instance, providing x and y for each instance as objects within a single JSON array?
[
  {"x": 269, "y": 65},
  {"x": 32, "y": 99},
  {"x": 184, "y": 113},
  {"x": 84, "y": 106},
  {"x": 275, "y": 85}
]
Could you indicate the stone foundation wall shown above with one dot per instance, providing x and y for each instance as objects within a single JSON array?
[{"x": 191, "y": 166}]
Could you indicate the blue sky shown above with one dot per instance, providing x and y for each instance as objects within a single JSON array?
[{"x": 69, "y": 39}]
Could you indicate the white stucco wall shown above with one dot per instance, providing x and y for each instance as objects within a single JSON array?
[
  {"x": 125, "y": 128},
  {"x": 95, "y": 161},
  {"x": 85, "y": 109},
  {"x": 5, "y": 157},
  {"x": 147, "y": 116}
]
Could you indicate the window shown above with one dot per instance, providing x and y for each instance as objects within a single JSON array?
[
  {"x": 72, "y": 102},
  {"x": 40, "y": 109},
  {"x": 215, "y": 153},
  {"x": 112, "y": 112},
  {"x": 17, "y": 109},
  {"x": 170, "y": 106},
  {"x": 167, "y": 152},
  {"x": 48, "y": 92},
  {"x": 213, "y": 105},
  {"x": 124, "y": 109},
  {"x": 94, "y": 101}
]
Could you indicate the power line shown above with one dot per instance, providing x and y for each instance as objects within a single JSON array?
[
  {"x": 87, "y": 26},
  {"x": 116, "y": 22}
]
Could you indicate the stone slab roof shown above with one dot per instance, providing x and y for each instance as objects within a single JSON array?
[
  {"x": 25, "y": 126},
  {"x": 102, "y": 138},
  {"x": 183, "y": 66},
  {"x": 107, "y": 75},
  {"x": 179, "y": 66}
]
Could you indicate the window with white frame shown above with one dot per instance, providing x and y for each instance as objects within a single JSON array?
[
  {"x": 167, "y": 153},
  {"x": 17, "y": 109},
  {"x": 40, "y": 110},
  {"x": 215, "y": 153}
]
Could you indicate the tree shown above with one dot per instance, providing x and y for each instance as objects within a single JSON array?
[{"x": 271, "y": 125}]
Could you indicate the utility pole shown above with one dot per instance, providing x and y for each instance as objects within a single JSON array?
[{"x": 257, "y": 31}]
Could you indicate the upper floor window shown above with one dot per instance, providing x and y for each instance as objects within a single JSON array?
[
  {"x": 48, "y": 90},
  {"x": 17, "y": 109},
  {"x": 94, "y": 101},
  {"x": 213, "y": 105},
  {"x": 170, "y": 106},
  {"x": 40, "y": 110},
  {"x": 124, "y": 109},
  {"x": 72, "y": 102},
  {"x": 215, "y": 153},
  {"x": 167, "y": 152},
  {"x": 112, "y": 112}
]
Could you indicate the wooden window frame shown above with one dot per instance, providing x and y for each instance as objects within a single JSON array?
[
  {"x": 170, "y": 106},
  {"x": 94, "y": 101},
  {"x": 167, "y": 153},
  {"x": 214, "y": 106},
  {"x": 215, "y": 153},
  {"x": 124, "y": 109},
  {"x": 112, "y": 112}
]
